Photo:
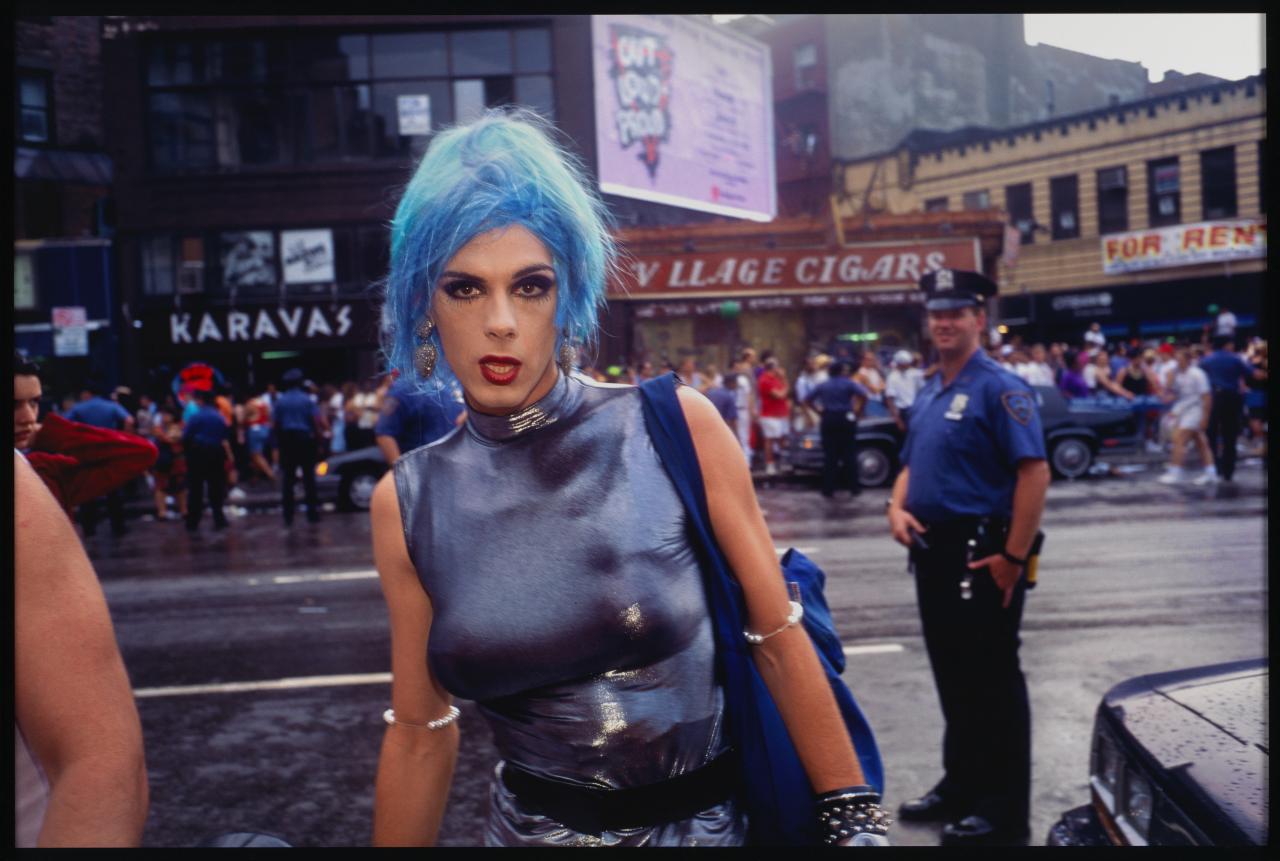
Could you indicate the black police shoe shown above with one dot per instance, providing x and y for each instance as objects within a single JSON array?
[
  {"x": 977, "y": 830},
  {"x": 931, "y": 806}
]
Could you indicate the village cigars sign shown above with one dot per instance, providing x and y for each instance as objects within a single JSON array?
[
  {"x": 881, "y": 265},
  {"x": 321, "y": 324}
]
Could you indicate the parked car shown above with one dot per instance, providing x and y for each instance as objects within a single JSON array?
[
  {"x": 1074, "y": 434},
  {"x": 350, "y": 477},
  {"x": 1178, "y": 759}
]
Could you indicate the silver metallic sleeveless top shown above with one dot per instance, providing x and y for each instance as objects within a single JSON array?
[{"x": 568, "y": 603}]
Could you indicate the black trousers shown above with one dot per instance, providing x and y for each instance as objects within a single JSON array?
[
  {"x": 298, "y": 451},
  {"x": 973, "y": 650},
  {"x": 206, "y": 467},
  {"x": 91, "y": 512},
  {"x": 839, "y": 454},
  {"x": 1224, "y": 430}
]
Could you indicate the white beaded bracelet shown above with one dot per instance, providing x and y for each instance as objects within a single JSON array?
[
  {"x": 797, "y": 613},
  {"x": 439, "y": 723}
]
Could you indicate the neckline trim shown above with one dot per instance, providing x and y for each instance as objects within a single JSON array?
[{"x": 547, "y": 410}]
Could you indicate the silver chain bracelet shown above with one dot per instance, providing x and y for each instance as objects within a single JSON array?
[
  {"x": 439, "y": 723},
  {"x": 797, "y": 613}
]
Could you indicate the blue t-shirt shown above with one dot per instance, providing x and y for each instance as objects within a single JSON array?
[
  {"x": 295, "y": 411},
  {"x": 835, "y": 396},
  {"x": 417, "y": 418},
  {"x": 725, "y": 401},
  {"x": 965, "y": 441},
  {"x": 206, "y": 427},
  {"x": 1225, "y": 370},
  {"x": 99, "y": 412}
]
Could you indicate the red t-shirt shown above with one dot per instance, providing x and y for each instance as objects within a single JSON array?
[{"x": 773, "y": 398}]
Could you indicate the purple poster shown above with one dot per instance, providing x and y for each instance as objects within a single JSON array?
[{"x": 684, "y": 114}]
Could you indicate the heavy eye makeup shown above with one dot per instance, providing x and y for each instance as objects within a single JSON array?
[{"x": 535, "y": 287}]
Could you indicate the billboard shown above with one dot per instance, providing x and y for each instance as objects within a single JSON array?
[
  {"x": 1184, "y": 245},
  {"x": 684, "y": 114}
]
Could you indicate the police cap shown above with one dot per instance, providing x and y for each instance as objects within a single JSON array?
[
  {"x": 946, "y": 289},
  {"x": 292, "y": 377}
]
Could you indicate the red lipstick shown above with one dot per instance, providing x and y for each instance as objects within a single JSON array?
[{"x": 500, "y": 370}]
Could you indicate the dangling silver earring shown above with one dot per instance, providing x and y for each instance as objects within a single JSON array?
[
  {"x": 425, "y": 356},
  {"x": 568, "y": 355}
]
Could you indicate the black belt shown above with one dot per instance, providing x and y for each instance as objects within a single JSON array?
[{"x": 590, "y": 810}]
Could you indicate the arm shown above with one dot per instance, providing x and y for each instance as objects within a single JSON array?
[
  {"x": 390, "y": 448},
  {"x": 900, "y": 520},
  {"x": 787, "y": 662},
  {"x": 90, "y": 461},
  {"x": 415, "y": 767},
  {"x": 71, "y": 693},
  {"x": 1028, "y": 505}
]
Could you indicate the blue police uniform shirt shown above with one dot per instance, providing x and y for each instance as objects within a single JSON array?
[
  {"x": 1225, "y": 370},
  {"x": 206, "y": 427},
  {"x": 965, "y": 441},
  {"x": 295, "y": 411},
  {"x": 836, "y": 394},
  {"x": 99, "y": 412},
  {"x": 416, "y": 418},
  {"x": 725, "y": 402}
]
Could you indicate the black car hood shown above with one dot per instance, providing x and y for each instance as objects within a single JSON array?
[{"x": 1208, "y": 728}]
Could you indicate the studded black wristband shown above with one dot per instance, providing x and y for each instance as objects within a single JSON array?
[{"x": 845, "y": 813}]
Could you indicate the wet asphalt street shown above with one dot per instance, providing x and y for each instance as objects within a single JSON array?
[{"x": 259, "y": 656}]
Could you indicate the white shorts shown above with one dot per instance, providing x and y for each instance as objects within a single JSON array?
[
  {"x": 1190, "y": 419},
  {"x": 773, "y": 427}
]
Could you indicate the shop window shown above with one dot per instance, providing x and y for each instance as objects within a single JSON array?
[
  {"x": 330, "y": 58},
  {"x": 1017, "y": 202},
  {"x": 1113, "y": 200},
  {"x": 535, "y": 91},
  {"x": 1064, "y": 207},
  {"x": 481, "y": 52},
  {"x": 1218, "y": 182},
  {"x": 386, "y": 114},
  {"x": 1164, "y": 192},
  {"x": 533, "y": 51},
  {"x": 935, "y": 204},
  {"x": 333, "y": 123},
  {"x": 409, "y": 55},
  {"x": 977, "y": 199},
  {"x": 805, "y": 59},
  {"x": 34, "y": 107},
  {"x": 247, "y": 263}
]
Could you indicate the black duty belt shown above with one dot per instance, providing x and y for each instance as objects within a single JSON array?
[{"x": 591, "y": 810}]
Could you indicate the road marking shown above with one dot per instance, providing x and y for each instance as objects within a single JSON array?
[
  {"x": 267, "y": 685},
  {"x": 876, "y": 649},
  {"x": 807, "y": 551},
  {"x": 317, "y": 578}
]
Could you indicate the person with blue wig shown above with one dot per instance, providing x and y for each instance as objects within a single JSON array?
[{"x": 536, "y": 560}]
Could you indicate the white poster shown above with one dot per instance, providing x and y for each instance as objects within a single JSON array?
[
  {"x": 414, "y": 114},
  {"x": 308, "y": 256},
  {"x": 70, "y": 331}
]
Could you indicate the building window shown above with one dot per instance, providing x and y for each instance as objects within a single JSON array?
[
  {"x": 977, "y": 199},
  {"x": 1164, "y": 198},
  {"x": 1218, "y": 182},
  {"x": 1064, "y": 206},
  {"x": 805, "y": 58},
  {"x": 227, "y": 104},
  {"x": 1113, "y": 200},
  {"x": 1017, "y": 202},
  {"x": 935, "y": 204},
  {"x": 33, "y": 105}
]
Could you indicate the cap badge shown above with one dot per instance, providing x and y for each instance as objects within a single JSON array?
[{"x": 945, "y": 280}]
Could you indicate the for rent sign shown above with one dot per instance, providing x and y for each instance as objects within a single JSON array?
[
  {"x": 869, "y": 266},
  {"x": 1184, "y": 245}
]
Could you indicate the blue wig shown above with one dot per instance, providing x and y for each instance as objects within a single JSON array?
[{"x": 502, "y": 169}]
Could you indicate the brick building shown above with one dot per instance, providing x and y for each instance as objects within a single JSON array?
[{"x": 1146, "y": 215}]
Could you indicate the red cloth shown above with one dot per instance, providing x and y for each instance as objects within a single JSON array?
[
  {"x": 773, "y": 398},
  {"x": 80, "y": 462}
]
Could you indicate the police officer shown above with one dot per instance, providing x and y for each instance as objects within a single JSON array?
[
  {"x": 410, "y": 418},
  {"x": 298, "y": 424},
  {"x": 967, "y": 504},
  {"x": 840, "y": 400},
  {"x": 206, "y": 439}
]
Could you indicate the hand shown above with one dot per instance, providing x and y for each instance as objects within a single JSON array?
[
  {"x": 900, "y": 521},
  {"x": 1004, "y": 572}
]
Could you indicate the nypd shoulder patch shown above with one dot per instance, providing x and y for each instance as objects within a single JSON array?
[{"x": 1019, "y": 405}]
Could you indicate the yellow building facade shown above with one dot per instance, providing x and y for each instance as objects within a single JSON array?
[{"x": 1155, "y": 207}]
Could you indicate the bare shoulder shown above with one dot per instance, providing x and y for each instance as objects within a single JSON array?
[
  {"x": 385, "y": 502},
  {"x": 699, "y": 412}
]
